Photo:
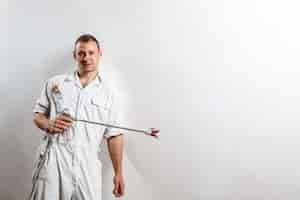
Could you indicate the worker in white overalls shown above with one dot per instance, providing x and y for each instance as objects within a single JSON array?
[{"x": 68, "y": 166}]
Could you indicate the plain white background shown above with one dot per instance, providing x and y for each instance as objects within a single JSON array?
[{"x": 219, "y": 78}]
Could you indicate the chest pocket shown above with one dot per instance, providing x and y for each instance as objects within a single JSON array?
[
  {"x": 97, "y": 109},
  {"x": 63, "y": 100},
  {"x": 60, "y": 103}
]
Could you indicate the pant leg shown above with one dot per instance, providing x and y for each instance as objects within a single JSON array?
[
  {"x": 89, "y": 185},
  {"x": 52, "y": 179}
]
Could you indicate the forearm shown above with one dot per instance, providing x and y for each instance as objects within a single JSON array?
[
  {"x": 115, "y": 148},
  {"x": 41, "y": 121}
]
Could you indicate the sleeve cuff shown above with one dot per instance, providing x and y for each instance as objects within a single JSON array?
[
  {"x": 110, "y": 132},
  {"x": 39, "y": 108}
]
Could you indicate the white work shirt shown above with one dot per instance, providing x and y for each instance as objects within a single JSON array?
[{"x": 68, "y": 166}]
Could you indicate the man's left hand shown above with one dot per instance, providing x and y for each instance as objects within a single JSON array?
[{"x": 119, "y": 185}]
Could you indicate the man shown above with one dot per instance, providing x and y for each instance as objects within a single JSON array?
[{"x": 68, "y": 167}]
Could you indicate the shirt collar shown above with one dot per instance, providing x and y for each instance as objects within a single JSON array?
[{"x": 74, "y": 77}]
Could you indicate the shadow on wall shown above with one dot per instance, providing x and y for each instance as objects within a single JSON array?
[{"x": 20, "y": 137}]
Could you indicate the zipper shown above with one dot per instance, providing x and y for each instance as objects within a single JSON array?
[{"x": 74, "y": 145}]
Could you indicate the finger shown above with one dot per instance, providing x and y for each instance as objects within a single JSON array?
[
  {"x": 65, "y": 118},
  {"x": 122, "y": 189},
  {"x": 54, "y": 130},
  {"x": 63, "y": 123},
  {"x": 60, "y": 126},
  {"x": 58, "y": 130},
  {"x": 115, "y": 192},
  {"x": 116, "y": 188}
]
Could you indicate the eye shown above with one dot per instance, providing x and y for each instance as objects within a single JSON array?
[
  {"x": 80, "y": 53},
  {"x": 91, "y": 52}
]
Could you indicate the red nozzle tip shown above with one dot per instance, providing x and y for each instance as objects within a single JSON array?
[{"x": 154, "y": 132}]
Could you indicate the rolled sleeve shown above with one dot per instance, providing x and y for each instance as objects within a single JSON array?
[
  {"x": 113, "y": 119},
  {"x": 42, "y": 104}
]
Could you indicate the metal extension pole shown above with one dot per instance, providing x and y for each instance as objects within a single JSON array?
[{"x": 153, "y": 132}]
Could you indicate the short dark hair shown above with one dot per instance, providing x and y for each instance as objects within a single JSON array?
[{"x": 86, "y": 38}]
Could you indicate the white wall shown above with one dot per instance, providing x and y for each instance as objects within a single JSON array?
[{"x": 219, "y": 78}]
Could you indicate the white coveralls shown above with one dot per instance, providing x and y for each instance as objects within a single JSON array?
[{"x": 68, "y": 166}]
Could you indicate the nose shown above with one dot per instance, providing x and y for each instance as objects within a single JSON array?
[{"x": 85, "y": 57}]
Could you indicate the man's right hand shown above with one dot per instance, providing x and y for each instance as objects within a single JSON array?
[{"x": 59, "y": 124}]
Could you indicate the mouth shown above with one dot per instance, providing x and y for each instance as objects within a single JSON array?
[{"x": 86, "y": 64}]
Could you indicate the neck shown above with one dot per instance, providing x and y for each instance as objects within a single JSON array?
[{"x": 86, "y": 77}]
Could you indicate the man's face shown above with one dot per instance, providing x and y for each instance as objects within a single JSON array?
[{"x": 87, "y": 56}]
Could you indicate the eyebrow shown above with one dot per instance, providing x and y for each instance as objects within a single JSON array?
[{"x": 80, "y": 50}]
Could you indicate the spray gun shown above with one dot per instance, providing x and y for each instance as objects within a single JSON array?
[{"x": 154, "y": 132}]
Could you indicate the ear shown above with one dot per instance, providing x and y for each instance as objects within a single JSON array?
[{"x": 100, "y": 52}]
